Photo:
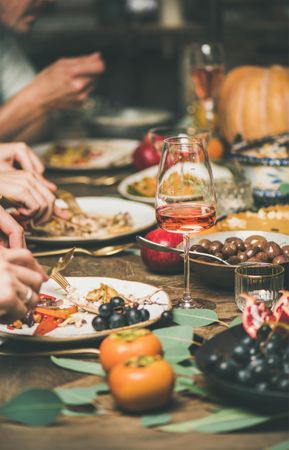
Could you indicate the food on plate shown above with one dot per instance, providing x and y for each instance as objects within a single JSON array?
[
  {"x": 63, "y": 155},
  {"x": 254, "y": 102},
  {"x": 102, "y": 308},
  {"x": 253, "y": 249},
  {"x": 162, "y": 262},
  {"x": 85, "y": 226},
  {"x": 142, "y": 383},
  {"x": 119, "y": 347},
  {"x": 146, "y": 187},
  {"x": 261, "y": 359},
  {"x": 272, "y": 218}
]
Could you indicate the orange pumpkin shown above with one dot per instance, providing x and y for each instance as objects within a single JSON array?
[{"x": 254, "y": 102}]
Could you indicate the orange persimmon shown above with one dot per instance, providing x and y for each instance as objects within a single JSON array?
[
  {"x": 142, "y": 384},
  {"x": 121, "y": 346}
]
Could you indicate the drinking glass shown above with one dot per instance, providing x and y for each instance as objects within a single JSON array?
[
  {"x": 157, "y": 135},
  {"x": 207, "y": 66},
  {"x": 262, "y": 280},
  {"x": 185, "y": 196}
]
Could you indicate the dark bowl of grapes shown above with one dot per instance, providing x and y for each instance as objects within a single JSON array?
[
  {"x": 249, "y": 363},
  {"x": 235, "y": 248}
]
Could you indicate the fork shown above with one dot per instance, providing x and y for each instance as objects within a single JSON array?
[
  {"x": 104, "y": 251},
  {"x": 61, "y": 281}
]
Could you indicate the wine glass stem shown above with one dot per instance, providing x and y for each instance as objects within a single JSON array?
[{"x": 187, "y": 294}]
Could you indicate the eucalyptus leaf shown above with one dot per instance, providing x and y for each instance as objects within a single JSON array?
[
  {"x": 175, "y": 341},
  {"x": 194, "y": 317},
  {"x": 78, "y": 365},
  {"x": 71, "y": 413},
  {"x": 281, "y": 446},
  {"x": 223, "y": 421},
  {"x": 284, "y": 188},
  {"x": 36, "y": 407},
  {"x": 80, "y": 395},
  {"x": 154, "y": 420},
  {"x": 236, "y": 321},
  {"x": 188, "y": 371},
  {"x": 182, "y": 384}
]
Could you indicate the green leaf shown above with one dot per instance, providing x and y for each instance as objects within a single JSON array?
[
  {"x": 281, "y": 446},
  {"x": 188, "y": 371},
  {"x": 154, "y": 420},
  {"x": 226, "y": 420},
  {"x": 175, "y": 342},
  {"x": 236, "y": 321},
  {"x": 78, "y": 365},
  {"x": 284, "y": 188},
  {"x": 182, "y": 384},
  {"x": 71, "y": 413},
  {"x": 36, "y": 407},
  {"x": 194, "y": 317},
  {"x": 80, "y": 395}
]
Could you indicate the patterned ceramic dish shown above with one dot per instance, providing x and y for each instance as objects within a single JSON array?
[{"x": 266, "y": 164}]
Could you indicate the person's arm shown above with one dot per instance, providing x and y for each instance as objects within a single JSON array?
[{"x": 65, "y": 84}]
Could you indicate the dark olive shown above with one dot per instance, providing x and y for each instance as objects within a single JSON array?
[
  {"x": 215, "y": 246},
  {"x": 229, "y": 250},
  {"x": 206, "y": 259},
  {"x": 253, "y": 259},
  {"x": 262, "y": 256},
  {"x": 280, "y": 259},
  {"x": 219, "y": 255},
  {"x": 251, "y": 251},
  {"x": 255, "y": 241},
  {"x": 285, "y": 250},
  {"x": 237, "y": 241},
  {"x": 234, "y": 260},
  {"x": 205, "y": 243},
  {"x": 272, "y": 249},
  {"x": 242, "y": 256},
  {"x": 197, "y": 248}
]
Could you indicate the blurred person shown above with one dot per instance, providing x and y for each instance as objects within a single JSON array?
[
  {"x": 21, "y": 279},
  {"x": 29, "y": 100}
]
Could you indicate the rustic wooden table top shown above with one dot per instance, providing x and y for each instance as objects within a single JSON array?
[{"x": 117, "y": 431}]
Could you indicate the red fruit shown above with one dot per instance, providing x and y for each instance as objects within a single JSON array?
[
  {"x": 145, "y": 156},
  {"x": 254, "y": 315},
  {"x": 162, "y": 262},
  {"x": 281, "y": 308}
]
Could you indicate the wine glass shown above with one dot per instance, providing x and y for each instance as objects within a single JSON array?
[
  {"x": 185, "y": 196},
  {"x": 207, "y": 66},
  {"x": 157, "y": 135}
]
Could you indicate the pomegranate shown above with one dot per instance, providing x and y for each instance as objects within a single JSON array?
[
  {"x": 145, "y": 156},
  {"x": 281, "y": 308},
  {"x": 254, "y": 315},
  {"x": 162, "y": 262}
]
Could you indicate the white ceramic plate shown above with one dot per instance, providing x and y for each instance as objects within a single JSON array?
[
  {"x": 143, "y": 217},
  {"x": 219, "y": 173},
  {"x": 83, "y": 285},
  {"x": 113, "y": 152}
]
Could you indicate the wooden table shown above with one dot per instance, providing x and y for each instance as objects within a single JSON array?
[{"x": 116, "y": 431}]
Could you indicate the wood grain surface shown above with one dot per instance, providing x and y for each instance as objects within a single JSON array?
[{"x": 116, "y": 431}]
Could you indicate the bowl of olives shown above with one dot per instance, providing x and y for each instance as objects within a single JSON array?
[{"x": 238, "y": 247}]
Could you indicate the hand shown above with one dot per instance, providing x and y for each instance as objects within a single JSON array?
[
  {"x": 67, "y": 83},
  {"x": 11, "y": 233},
  {"x": 22, "y": 257},
  {"x": 35, "y": 198},
  {"x": 20, "y": 153},
  {"x": 19, "y": 290}
]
